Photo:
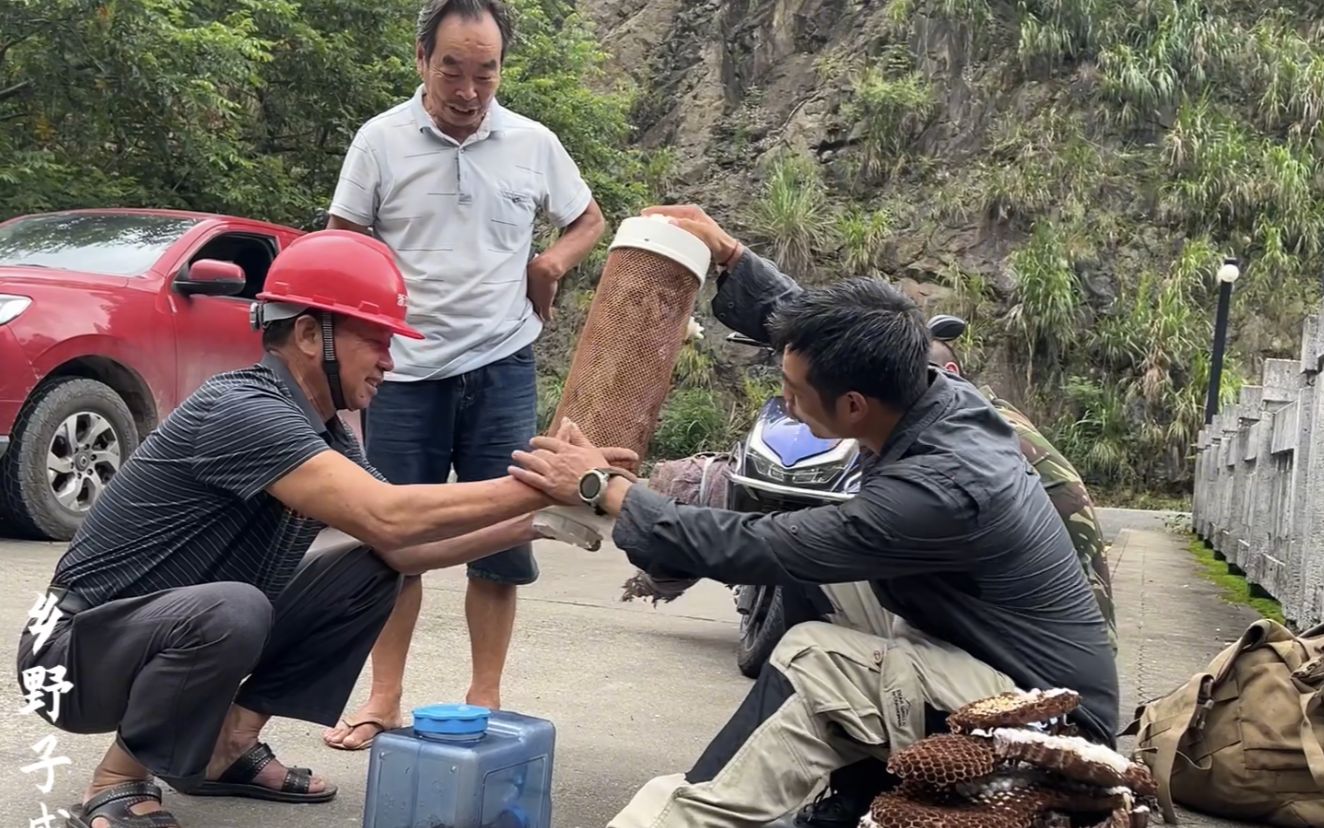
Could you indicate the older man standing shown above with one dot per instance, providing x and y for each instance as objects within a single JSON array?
[{"x": 452, "y": 181}]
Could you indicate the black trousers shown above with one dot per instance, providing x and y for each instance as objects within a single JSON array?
[{"x": 162, "y": 670}]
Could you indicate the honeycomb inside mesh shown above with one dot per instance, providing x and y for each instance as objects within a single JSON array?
[
  {"x": 622, "y": 368},
  {"x": 1013, "y": 709},
  {"x": 944, "y": 760}
]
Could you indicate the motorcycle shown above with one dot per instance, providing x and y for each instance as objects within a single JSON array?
[{"x": 781, "y": 466}]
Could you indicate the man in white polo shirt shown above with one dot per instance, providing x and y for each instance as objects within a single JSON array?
[{"x": 452, "y": 181}]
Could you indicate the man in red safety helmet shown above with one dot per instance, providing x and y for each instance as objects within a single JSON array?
[{"x": 185, "y": 613}]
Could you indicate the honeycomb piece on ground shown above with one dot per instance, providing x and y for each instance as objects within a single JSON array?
[
  {"x": 651, "y": 588},
  {"x": 1054, "y": 791},
  {"x": 1024, "y": 797},
  {"x": 1139, "y": 779},
  {"x": 1073, "y": 758},
  {"x": 944, "y": 760},
  {"x": 897, "y": 810},
  {"x": 1013, "y": 709}
]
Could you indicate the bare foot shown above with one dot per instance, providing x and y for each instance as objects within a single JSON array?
[
  {"x": 356, "y": 731},
  {"x": 491, "y": 699}
]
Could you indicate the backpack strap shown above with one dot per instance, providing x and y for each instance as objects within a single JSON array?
[
  {"x": 1310, "y": 702},
  {"x": 1193, "y": 700},
  {"x": 1309, "y": 679}
]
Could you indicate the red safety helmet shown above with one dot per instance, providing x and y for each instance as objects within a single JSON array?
[{"x": 344, "y": 272}]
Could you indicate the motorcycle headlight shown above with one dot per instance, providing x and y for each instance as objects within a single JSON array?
[
  {"x": 764, "y": 464},
  {"x": 11, "y": 306}
]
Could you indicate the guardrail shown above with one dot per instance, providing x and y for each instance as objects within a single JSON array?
[{"x": 1259, "y": 481}]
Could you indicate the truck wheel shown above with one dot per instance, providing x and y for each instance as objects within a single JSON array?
[{"x": 71, "y": 437}]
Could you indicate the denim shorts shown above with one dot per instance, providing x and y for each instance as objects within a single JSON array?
[{"x": 416, "y": 432}]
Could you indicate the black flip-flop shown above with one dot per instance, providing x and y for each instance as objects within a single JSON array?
[
  {"x": 113, "y": 805},
  {"x": 238, "y": 781}
]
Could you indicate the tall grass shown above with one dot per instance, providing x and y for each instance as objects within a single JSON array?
[
  {"x": 692, "y": 421},
  {"x": 1095, "y": 431},
  {"x": 862, "y": 235},
  {"x": 1048, "y": 303},
  {"x": 1054, "y": 32},
  {"x": 792, "y": 212},
  {"x": 891, "y": 104},
  {"x": 1286, "y": 68},
  {"x": 1163, "y": 51}
]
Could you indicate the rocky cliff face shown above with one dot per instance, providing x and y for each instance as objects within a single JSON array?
[
  {"x": 1068, "y": 174},
  {"x": 728, "y": 86}
]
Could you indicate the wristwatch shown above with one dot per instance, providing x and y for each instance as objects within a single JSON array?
[{"x": 593, "y": 486}]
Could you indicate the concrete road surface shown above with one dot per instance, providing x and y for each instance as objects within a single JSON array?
[
  {"x": 1113, "y": 521},
  {"x": 634, "y": 691}
]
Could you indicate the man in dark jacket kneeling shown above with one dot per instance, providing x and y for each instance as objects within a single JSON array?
[{"x": 951, "y": 528}]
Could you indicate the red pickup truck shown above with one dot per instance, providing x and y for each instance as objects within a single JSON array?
[{"x": 108, "y": 320}]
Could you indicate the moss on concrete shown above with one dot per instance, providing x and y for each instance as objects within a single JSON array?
[{"x": 1235, "y": 588}]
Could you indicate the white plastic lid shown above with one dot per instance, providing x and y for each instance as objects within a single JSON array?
[{"x": 658, "y": 235}]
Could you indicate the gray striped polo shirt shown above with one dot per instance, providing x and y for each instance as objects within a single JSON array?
[{"x": 190, "y": 506}]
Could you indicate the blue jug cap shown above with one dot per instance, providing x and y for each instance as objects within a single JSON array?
[{"x": 451, "y": 722}]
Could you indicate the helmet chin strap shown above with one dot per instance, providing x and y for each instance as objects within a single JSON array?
[{"x": 329, "y": 363}]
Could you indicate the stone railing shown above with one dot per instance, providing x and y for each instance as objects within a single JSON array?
[{"x": 1259, "y": 481}]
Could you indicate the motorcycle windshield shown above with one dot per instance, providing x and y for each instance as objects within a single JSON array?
[{"x": 788, "y": 438}]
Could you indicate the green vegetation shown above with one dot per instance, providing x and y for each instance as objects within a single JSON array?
[
  {"x": 1098, "y": 158},
  {"x": 247, "y": 107},
  {"x": 691, "y": 422},
  {"x": 891, "y": 103},
  {"x": 1235, "y": 588},
  {"x": 792, "y": 212},
  {"x": 1132, "y": 146}
]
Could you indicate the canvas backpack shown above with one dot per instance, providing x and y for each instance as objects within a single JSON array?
[{"x": 1243, "y": 739}]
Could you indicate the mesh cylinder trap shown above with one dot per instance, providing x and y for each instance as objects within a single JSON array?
[
  {"x": 622, "y": 367},
  {"x": 621, "y": 371}
]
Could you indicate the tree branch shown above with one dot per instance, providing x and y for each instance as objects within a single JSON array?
[
  {"x": 9, "y": 45},
  {"x": 14, "y": 90}
]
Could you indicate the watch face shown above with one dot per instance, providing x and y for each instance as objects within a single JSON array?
[{"x": 589, "y": 486}]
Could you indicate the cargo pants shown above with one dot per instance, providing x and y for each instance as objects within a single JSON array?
[{"x": 829, "y": 696}]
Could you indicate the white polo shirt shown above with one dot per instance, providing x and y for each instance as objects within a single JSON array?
[{"x": 459, "y": 217}]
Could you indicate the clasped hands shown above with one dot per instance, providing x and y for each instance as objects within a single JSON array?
[{"x": 557, "y": 463}]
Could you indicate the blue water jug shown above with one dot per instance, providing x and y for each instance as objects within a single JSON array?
[{"x": 461, "y": 766}]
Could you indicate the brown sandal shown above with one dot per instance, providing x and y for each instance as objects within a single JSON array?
[
  {"x": 113, "y": 805},
  {"x": 366, "y": 720}
]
